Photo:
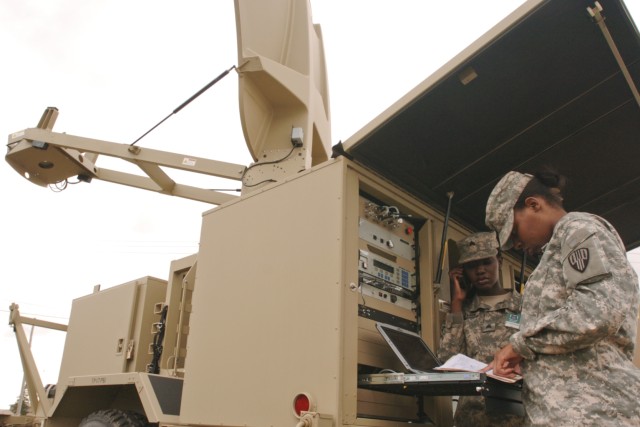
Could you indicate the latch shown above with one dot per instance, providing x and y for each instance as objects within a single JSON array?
[{"x": 130, "y": 348}]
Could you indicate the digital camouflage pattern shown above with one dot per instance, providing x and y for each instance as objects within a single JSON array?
[
  {"x": 477, "y": 246},
  {"x": 499, "y": 210},
  {"x": 478, "y": 332},
  {"x": 578, "y": 329}
]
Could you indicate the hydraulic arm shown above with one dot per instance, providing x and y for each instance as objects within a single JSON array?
[{"x": 48, "y": 158}]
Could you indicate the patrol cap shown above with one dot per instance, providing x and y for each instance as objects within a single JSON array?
[
  {"x": 503, "y": 198},
  {"x": 477, "y": 246}
]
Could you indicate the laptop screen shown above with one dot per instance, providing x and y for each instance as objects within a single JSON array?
[{"x": 410, "y": 348}]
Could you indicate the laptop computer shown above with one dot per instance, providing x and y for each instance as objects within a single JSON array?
[
  {"x": 410, "y": 348},
  {"x": 418, "y": 359}
]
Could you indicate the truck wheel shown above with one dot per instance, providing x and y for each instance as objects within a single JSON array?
[{"x": 114, "y": 418}]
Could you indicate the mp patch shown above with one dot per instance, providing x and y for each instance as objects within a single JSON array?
[{"x": 579, "y": 259}]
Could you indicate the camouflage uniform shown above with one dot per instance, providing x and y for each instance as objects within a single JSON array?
[
  {"x": 478, "y": 332},
  {"x": 578, "y": 327}
]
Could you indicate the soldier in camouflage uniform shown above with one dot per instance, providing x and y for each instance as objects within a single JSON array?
[
  {"x": 483, "y": 317},
  {"x": 580, "y": 308}
]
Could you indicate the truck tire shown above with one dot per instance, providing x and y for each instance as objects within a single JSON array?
[{"x": 114, "y": 418}]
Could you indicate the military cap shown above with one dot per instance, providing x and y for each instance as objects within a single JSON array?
[
  {"x": 477, "y": 246},
  {"x": 503, "y": 197}
]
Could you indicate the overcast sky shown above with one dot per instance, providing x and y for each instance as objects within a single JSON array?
[{"x": 114, "y": 68}]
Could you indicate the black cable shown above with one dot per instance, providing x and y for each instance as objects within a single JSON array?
[
  {"x": 59, "y": 186},
  {"x": 185, "y": 103},
  {"x": 258, "y": 183},
  {"x": 523, "y": 265},
  {"x": 154, "y": 366},
  {"x": 272, "y": 162}
]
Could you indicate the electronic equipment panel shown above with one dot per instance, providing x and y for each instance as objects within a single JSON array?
[{"x": 387, "y": 253}]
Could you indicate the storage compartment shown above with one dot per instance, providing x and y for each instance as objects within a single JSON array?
[{"x": 110, "y": 331}]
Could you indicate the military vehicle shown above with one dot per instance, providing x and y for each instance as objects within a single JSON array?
[{"x": 273, "y": 321}]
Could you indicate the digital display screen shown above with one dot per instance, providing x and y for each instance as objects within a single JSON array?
[{"x": 383, "y": 266}]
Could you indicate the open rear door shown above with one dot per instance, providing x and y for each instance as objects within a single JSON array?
[{"x": 541, "y": 88}]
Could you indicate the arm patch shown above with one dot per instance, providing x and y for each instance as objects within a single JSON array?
[{"x": 582, "y": 260}]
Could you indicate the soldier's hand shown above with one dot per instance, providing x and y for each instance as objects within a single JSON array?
[
  {"x": 459, "y": 293},
  {"x": 506, "y": 362}
]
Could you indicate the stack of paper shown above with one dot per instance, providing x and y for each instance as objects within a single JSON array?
[{"x": 460, "y": 362}]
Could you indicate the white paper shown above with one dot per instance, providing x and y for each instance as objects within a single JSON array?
[{"x": 460, "y": 362}]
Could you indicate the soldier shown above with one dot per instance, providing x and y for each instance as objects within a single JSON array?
[
  {"x": 579, "y": 312},
  {"x": 483, "y": 317}
]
